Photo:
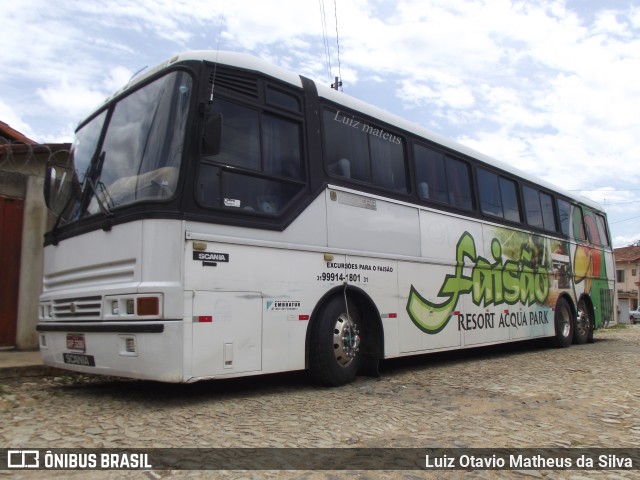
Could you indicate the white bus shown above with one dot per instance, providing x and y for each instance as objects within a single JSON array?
[{"x": 220, "y": 217}]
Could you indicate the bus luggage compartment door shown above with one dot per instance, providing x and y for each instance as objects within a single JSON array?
[{"x": 227, "y": 333}]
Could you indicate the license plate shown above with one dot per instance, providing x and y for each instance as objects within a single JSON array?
[
  {"x": 75, "y": 341},
  {"x": 79, "y": 359}
]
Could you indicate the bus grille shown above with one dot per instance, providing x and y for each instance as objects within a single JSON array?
[{"x": 80, "y": 308}]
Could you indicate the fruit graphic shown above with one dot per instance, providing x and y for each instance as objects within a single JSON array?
[{"x": 583, "y": 266}]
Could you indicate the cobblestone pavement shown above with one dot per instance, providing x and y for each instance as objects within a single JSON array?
[{"x": 522, "y": 395}]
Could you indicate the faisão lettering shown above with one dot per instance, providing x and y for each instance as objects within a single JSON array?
[{"x": 490, "y": 283}]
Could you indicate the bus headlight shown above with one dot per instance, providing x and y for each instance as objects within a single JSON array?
[{"x": 132, "y": 307}]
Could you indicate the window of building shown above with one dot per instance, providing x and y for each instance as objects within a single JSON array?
[{"x": 620, "y": 276}]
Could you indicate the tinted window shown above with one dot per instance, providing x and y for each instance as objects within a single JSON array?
[
  {"x": 430, "y": 174},
  {"x": 596, "y": 228},
  {"x": 564, "y": 212},
  {"x": 222, "y": 188},
  {"x": 532, "y": 207},
  {"x": 442, "y": 178},
  {"x": 578, "y": 224},
  {"x": 548, "y": 217},
  {"x": 282, "y": 99},
  {"x": 357, "y": 150},
  {"x": 539, "y": 209},
  {"x": 240, "y": 144},
  {"x": 510, "y": 202},
  {"x": 602, "y": 229},
  {"x": 498, "y": 196},
  {"x": 259, "y": 167},
  {"x": 281, "y": 146},
  {"x": 489, "y": 189},
  {"x": 459, "y": 183}
]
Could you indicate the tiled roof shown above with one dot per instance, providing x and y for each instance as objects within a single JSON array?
[
  {"x": 627, "y": 254},
  {"x": 13, "y": 135}
]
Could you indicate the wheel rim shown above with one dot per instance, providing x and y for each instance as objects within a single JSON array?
[
  {"x": 564, "y": 324},
  {"x": 346, "y": 340},
  {"x": 583, "y": 322}
]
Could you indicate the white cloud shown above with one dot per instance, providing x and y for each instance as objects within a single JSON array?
[
  {"x": 9, "y": 116},
  {"x": 75, "y": 99},
  {"x": 548, "y": 86}
]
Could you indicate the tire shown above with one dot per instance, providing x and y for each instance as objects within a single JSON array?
[
  {"x": 583, "y": 331},
  {"x": 334, "y": 355},
  {"x": 564, "y": 324}
]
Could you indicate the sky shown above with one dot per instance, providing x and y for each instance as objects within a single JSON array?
[{"x": 550, "y": 87}]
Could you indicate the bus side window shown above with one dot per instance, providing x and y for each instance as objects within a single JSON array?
[
  {"x": 360, "y": 151},
  {"x": 564, "y": 211},
  {"x": 498, "y": 196},
  {"x": 578, "y": 224},
  {"x": 459, "y": 184},
  {"x": 596, "y": 228},
  {"x": 259, "y": 166},
  {"x": 346, "y": 149},
  {"x": 442, "y": 178},
  {"x": 602, "y": 229},
  {"x": 430, "y": 174},
  {"x": 539, "y": 208}
]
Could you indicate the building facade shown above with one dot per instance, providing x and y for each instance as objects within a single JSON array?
[
  {"x": 23, "y": 221},
  {"x": 627, "y": 280}
]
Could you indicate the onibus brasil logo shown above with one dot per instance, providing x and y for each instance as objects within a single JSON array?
[{"x": 509, "y": 282}]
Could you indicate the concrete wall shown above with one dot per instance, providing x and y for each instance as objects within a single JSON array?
[{"x": 31, "y": 264}]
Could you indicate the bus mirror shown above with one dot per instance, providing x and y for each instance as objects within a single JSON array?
[
  {"x": 57, "y": 188},
  {"x": 212, "y": 137}
]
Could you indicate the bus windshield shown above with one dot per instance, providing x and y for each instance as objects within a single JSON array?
[{"x": 137, "y": 157}]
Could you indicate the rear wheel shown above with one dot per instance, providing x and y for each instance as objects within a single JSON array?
[
  {"x": 584, "y": 325},
  {"x": 564, "y": 323},
  {"x": 334, "y": 355}
]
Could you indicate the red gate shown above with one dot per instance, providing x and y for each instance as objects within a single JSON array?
[{"x": 11, "y": 217}]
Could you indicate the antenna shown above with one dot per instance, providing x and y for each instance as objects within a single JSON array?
[
  {"x": 337, "y": 85},
  {"x": 137, "y": 73},
  {"x": 212, "y": 79}
]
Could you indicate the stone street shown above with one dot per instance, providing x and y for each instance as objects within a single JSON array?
[{"x": 523, "y": 395}]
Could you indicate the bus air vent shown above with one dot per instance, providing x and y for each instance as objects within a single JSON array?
[{"x": 236, "y": 82}]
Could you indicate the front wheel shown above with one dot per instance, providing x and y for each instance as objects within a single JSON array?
[
  {"x": 334, "y": 351},
  {"x": 564, "y": 323}
]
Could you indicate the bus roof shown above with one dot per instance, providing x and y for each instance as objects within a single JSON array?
[{"x": 251, "y": 63}]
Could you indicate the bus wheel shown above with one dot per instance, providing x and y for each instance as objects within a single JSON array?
[
  {"x": 584, "y": 325},
  {"x": 335, "y": 340},
  {"x": 564, "y": 324}
]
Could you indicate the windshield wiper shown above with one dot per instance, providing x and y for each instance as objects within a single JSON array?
[{"x": 101, "y": 205}]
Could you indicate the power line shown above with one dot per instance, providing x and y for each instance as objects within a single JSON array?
[
  {"x": 325, "y": 37},
  {"x": 607, "y": 191},
  {"x": 620, "y": 221}
]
